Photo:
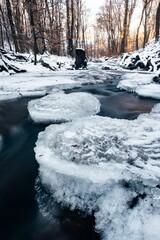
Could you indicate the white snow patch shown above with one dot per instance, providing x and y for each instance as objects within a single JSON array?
[
  {"x": 63, "y": 107},
  {"x": 8, "y": 96},
  {"x": 151, "y": 90},
  {"x": 149, "y": 53},
  {"x": 142, "y": 84},
  {"x": 109, "y": 166},
  {"x": 131, "y": 81}
]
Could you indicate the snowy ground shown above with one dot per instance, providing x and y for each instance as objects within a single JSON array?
[{"x": 38, "y": 80}]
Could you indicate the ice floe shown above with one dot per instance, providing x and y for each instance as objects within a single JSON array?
[
  {"x": 107, "y": 166},
  {"x": 63, "y": 107},
  {"x": 151, "y": 90},
  {"x": 131, "y": 81}
]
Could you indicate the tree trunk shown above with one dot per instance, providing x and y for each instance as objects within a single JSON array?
[
  {"x": 70, "y": 26},
  {"x": 137, "y": 34},
  {"x": 13, "y": 31},
  {"x": 124, "y": 34},
  {"x": 157, "y": 22},
  {"x": 31, "y": 10},
  {"x": 5, "y": 27},
  {"x": 1, "y": 34}
]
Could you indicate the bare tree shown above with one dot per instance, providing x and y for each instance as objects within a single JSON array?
[
  {"x": 125, "y": 23},
  {"x": 5, "y": 27},
  {"x": 157, "y": 32},
  {"x": 31, "y": 7},
  {"x": 13, "y": 30}
]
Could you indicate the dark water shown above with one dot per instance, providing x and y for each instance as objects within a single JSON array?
[
  {"x": 20, "y": 218},
  {"x": 117, "y": 103}
]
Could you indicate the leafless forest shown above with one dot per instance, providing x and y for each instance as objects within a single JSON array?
[{"x": 59, "y": 26}]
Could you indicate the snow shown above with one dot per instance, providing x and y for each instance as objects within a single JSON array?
[
  {"x": 142, "y": 84},
  {"x": 107, "y": 166},
  {"x": 130, "y": 81},
  {"x": 5, "y": 96},
  {"x": 39, "y": 80},
  {"x": 14, "y": 95},
  {"x": 151, "y": 90},
  {"x": 63, "y": 107},
  {"x": 151, "y": 52}
]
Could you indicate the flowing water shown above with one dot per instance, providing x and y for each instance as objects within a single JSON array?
[{"x": 20, "y": 218}]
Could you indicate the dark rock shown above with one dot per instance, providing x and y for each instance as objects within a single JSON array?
[
  {"x": 81, "y": 60},
  {"x": 156, "y": 79},
  {"x": 106, "y": 68}
]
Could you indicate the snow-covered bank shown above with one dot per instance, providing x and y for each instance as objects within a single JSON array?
[
  {"x": 131, "y": 81},
  {"x": 109, "y": 166},
  {"x": 144, "y": 59},
  {"x": 59, "y": 106},
  {"x": 151, "y": 90},
  {"x": 14, "y": 95},
  {"x": 146, "y": 85},
  {"x": 142, "y": 84}
]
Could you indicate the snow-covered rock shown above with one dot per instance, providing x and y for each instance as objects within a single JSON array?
[
  {"x": 63, "y": 107},
  {"x": 8, "y": 66},
  {"x": 145, "y": 59},
  {"x": 107, "y": 166}
]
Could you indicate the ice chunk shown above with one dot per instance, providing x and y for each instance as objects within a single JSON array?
[
  {"x": 63, "y": 107},
  {"x": 131, "y": 81},
  {"x": 151, "y": 90},
  {"x": 106, "y": 166}
]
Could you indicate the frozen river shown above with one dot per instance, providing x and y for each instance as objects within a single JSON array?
[{"x": 20, "y": 217}]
